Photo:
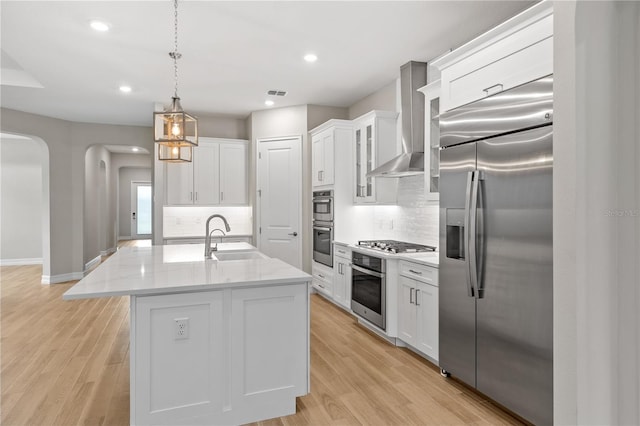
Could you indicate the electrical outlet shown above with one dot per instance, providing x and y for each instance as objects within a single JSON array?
[{"x": 181, "y": 330}]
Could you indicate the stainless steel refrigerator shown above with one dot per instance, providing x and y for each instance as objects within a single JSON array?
[{"x": 496, "y": 260}]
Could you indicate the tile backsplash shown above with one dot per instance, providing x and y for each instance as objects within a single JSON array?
[
  {"x": 190, "y": 221},
  {"x": 413, "y": 219}
]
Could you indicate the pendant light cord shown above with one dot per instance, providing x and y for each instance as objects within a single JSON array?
[{"x": 175, "y": 55}]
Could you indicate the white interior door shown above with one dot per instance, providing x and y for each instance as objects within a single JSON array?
[
  {"x": 141, "y": 205},
  {"x": 279, "y": 199}
]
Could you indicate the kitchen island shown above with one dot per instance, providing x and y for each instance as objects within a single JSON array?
[{"x": 219, "y": 341}]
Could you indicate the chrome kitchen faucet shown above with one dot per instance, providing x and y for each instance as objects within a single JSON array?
[{"x": 207, "y": 240}]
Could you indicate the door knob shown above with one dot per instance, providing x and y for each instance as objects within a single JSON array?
[{"x": 295, "y": 234}]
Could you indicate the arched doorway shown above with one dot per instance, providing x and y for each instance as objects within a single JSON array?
[{"x": 24, "y": 197}]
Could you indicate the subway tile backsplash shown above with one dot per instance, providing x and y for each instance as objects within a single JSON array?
[{"x": 413, "y": 219}]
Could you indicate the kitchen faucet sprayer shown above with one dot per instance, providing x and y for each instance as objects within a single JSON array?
[{"x": 207, "y": 240}]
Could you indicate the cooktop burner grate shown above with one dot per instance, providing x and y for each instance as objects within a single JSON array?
[{"x": 393, "y": 246}]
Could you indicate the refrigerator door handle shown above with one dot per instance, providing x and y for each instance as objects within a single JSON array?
[
  {"x": 467, "y": 233},
  {"x": 473, "y": 231},
  {"x": 479, "y": 235}
]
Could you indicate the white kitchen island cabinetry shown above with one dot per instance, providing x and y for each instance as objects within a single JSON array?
[
  {"x": 513, "y": 53},
  {"x": 375, "y": 143},
  {"x": 216, "y": 176},
  {"x": 212, "y": 341},
  {"x": 418, "y": 307}
]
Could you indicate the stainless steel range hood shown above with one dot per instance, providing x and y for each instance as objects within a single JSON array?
[{"x": 413, "y": 75}]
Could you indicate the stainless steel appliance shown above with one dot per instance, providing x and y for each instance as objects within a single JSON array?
[
  {"x": 368, "y": 288},
  {"x": 496, "y": 263},
  {"x": 323, "y": 206},
  {"x": 393, "y": 246},
  {"x": 323, "y": 242}
]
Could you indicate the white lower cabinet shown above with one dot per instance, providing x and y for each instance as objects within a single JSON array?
[
  {"x": 322, "y": 280},
  {"x": 342, "y": 276},
  {"x": 418, "y": 307},
  {"x": 227, "y": 356}
]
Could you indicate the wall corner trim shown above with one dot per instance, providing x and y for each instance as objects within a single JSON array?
[{"x": 92, "y": 263}]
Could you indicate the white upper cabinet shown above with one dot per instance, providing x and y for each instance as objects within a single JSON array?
[
  {"x": 216, "y": 176},
  {"x": 323, "y": 164},
  {"x": 206, "y": 186},
  {"x": 431, "y": 140},
  {"x": 513, "y": 53},
  {"x": 375, "y": 143},
  {"x": 233, "y": 173}
]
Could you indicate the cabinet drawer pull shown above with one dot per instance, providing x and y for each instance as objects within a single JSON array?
[
  {"x": 320, "y": 285},
  {"x": 321, "y": 276},
  {"x": 488, "y": 89},
  {"x": 415, "y": 272}
]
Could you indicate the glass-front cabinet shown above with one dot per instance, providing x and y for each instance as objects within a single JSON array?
[
  {"x": 364, "y": 161},
  {"x": 432, "y": 139},
  {"x": 375, "y": 137}
]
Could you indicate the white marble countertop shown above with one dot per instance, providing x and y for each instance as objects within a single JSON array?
[
  {"x": 428, "y": 258},
  {"x": 179, "y": 269}
]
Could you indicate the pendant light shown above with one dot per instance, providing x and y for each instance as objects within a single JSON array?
[{"x": 175, "y": 131}]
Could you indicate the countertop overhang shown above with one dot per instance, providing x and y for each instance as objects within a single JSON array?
[{"x": 138, "y": 271}]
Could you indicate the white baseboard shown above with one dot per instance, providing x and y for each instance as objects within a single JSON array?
[
  {"x": 124, "y": 237},
  {"x": 17, "y": 262},
  {"x": 108, "y": 251},
  {"x": 93, "y": 262},
  {"x": 54, "y": 279}
]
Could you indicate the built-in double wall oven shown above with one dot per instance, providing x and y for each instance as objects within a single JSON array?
[
  {"x": 368, "y": 288},
  {"x": 323, "y": 227}
]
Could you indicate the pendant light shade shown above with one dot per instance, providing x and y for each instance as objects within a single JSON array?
[
  {"x": 174, "y": 130},
  {"x": 175, "y": 153},
  {"x": 175, "y": 126}
]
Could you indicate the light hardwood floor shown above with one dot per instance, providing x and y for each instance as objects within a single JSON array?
[{"x": 67, "y": 363}]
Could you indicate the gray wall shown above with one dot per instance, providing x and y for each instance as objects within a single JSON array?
[
  {"x": 383, "y": 99},
  {"x": 67, "y": 143},
  {"x": 318, "y": 114},
  {"x": 222, "y": 127},
  {"x": 98, "y": 224},
  {"x": 21, "y": 200},
  {"x": 125, "y": 177},
  {"x": 596, "y": 213}
]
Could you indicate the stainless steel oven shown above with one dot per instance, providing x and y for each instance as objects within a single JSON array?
[
  {"x": 369, "y": 288},
  {"x": 323, "y": 242},
  {"x": 323, "y": 206}
]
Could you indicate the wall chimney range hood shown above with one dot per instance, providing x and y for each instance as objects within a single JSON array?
[{"x": 410, "y": 162}]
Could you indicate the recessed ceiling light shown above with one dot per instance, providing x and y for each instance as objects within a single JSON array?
[
  {"x": 99, "y": 26},
  {"x": 125, "y": 89},
  {"x": 268, "y": 103},
  {"x": 310, "y": 57},
  {"x": 134, "y": 149}
]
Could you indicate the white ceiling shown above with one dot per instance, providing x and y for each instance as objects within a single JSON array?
[{"x": 233, "y": 52}]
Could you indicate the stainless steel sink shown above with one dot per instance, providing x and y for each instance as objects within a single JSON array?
[{"x": 223, "y": 257}]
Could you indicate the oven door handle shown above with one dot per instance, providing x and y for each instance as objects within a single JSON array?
[
  {"x": 368, "y": 271},
  {"x": 321, "y": 228},
  {"x": 316, "y": 201}
]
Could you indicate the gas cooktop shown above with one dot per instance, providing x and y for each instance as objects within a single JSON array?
[{"x": 393, "y": 246}]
